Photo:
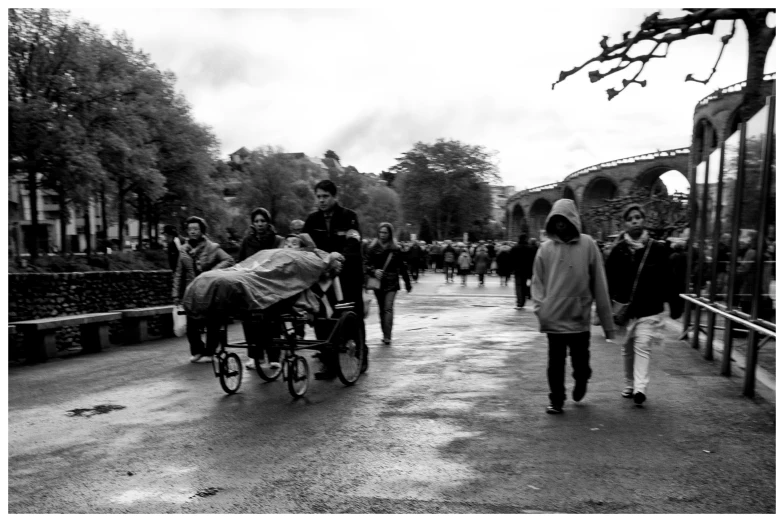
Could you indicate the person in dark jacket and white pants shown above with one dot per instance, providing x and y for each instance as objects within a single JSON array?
[{"x": 655, "y": 285}]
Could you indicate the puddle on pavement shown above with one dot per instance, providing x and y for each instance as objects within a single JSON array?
[
  {"x": 95, "y": 410},
  {"x": 206, "y": 492}
]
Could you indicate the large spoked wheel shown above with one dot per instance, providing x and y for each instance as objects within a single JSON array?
[
  {"x": 231, "y": 373},
  {"x": 297, "y": 376},
  {"x": 266, "y": 369},
  {"x": 348, "y": 348}
]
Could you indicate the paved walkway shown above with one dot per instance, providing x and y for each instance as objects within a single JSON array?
[{"x": 449, "y": 419}]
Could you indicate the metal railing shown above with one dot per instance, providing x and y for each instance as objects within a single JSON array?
[{"x": 747, "y": 301}]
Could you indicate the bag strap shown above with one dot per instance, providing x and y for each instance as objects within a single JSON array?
[
  {"x": 642, "y": 263},
  {"x": 389, "y": 258}
]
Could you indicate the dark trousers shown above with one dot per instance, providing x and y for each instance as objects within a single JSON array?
[
  {"x": 386, "y": 310},
  {"x": 414, "y": 270},
  {"x": 521, "y": 290},
  {"x": 258, "y": 334},
  {"x": 578, "y": 344},
  {"x": 449, "y": 271},
  {"x": 193, "y": 332}
]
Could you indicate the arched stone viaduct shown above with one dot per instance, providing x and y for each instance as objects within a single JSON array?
[
  {"x": 589, "y": 186},
  {"x": 715, "y": 118}
]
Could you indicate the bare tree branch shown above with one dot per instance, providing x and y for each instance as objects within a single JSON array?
[
  {"x": 661, "y": 32},
  {"x": 724, "y": 41}
]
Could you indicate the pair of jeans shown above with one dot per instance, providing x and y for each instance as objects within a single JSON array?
[
  {"x": 521, "y": 289},
  {"x": 193, "y": 332},
  {"x": 578, "y": 344},
  {"x": 642, "y": 336},
  {"x": 386, "y": 312}
]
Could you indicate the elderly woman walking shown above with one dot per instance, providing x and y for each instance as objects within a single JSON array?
[
  {"x": 384, "y": 261},
  {"x": 639, "y": 275}
]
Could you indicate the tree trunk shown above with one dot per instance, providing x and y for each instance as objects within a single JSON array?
[
  {"x": 65, "y": 247},
  {"x": 151, "y": 221},
  {"x": 87, "y": 228},
  {"x": 32, "y": 187},
  {"x": 121, "y": 215},
  {"x": 760, "y": 40},
  {"x": 140, "y": 217},
  {"x": 104, "y": 218}
]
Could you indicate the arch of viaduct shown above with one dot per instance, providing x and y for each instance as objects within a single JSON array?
[
  {"x": 590, "y": 186},
  {"x": 715, "y": 118}
]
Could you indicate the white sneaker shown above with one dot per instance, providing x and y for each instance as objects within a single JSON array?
[
  {"x": 274, "y": 365},
  {"x": 250, "y": 365},
  {"x": 195, "y": 358}
]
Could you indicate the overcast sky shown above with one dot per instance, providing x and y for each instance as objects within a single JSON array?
[{"x": 370, "y": 83}]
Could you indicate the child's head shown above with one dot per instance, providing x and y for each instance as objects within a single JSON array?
[{"x": 293, "y": 241}]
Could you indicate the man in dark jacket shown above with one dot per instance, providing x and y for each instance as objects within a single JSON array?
[
  {"x": 522, "y": 255},
  {"x": 330, "y": 223},
  {"x": 329, "y": 227}
]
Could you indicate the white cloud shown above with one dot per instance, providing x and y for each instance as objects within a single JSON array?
[{"x": 370, "y": 83}]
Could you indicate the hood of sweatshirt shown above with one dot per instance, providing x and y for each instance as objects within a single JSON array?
[{"x": 567, "y": 209}]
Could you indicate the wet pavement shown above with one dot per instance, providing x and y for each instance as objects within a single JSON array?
[{"x": 449, "y": 419}]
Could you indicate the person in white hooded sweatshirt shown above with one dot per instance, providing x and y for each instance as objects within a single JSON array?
[{"x": 568, "y": 276}]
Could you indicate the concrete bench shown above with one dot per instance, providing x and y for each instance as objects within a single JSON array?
[
  {"x": 135, "y": 322},
  {"x": 40, "y": 334}
]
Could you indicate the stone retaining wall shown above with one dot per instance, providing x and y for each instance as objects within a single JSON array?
[{"x": 36, "y": 296}]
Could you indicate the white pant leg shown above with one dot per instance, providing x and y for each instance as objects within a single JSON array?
[
  {"x": 627, "y": 352},
  {"x": 644, "y": 335}
]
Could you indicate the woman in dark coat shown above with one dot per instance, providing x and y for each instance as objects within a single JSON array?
[
  {"x": 385, "y": 247},
  {"x": 260, "y": 236}
]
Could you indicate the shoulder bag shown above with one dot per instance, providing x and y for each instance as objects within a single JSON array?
[
  {"x": 373, "y": 283},
  {"x": 621, "y": 310}
]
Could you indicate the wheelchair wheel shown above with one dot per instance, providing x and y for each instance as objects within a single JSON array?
[
  {"x": 298, "y": 376},
  {"x": 348, "y": 349},
  {"x": 231, "y": 373},
  {"x": 263, "y": 367}
]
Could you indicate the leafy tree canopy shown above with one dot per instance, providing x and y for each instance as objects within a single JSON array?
[{"x": 446, "y": 183}]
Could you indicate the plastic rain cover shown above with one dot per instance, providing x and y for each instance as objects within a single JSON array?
[{"x": 256, "y": 283}]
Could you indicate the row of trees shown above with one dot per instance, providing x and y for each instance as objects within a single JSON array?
[
  {"x": 93, "y": 120},
  {"x": 437, "y": 190}
]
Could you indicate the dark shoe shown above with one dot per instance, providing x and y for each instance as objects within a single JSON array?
[
  {"x": 639, "y": 398},
  {"x": 552, "y": 409},
  {"x": 387, "y": 341},
  {"x": 627, "y": 393},
  {"x": 579, "y": 390}
]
